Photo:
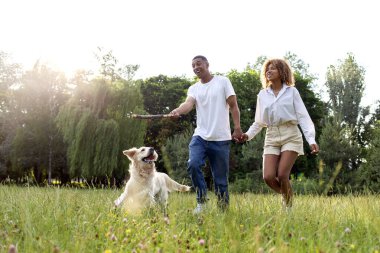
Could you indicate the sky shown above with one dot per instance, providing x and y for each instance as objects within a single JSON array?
[{"x": 162, "y": 36}]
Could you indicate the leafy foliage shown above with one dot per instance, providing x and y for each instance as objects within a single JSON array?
[
  {"x": 161, "y": 94},
  {"x": 345, "y": 83},
  {"x": 92, "y": 127},
  {"x": 9, "y": 76},
  {"x": 175, "y": 155},
  {"x": 95, "y": 126},
  {"x": 369, "y": 173},
  {"x": 336, "y": 148},
  {"x": 246, "y": 85},
  {"x": 317, "y": 109},
  {"x": 37, "y": 145}
]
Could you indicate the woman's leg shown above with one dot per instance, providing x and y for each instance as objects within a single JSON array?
[
  {"x": 270, "y": 165},
  {"x": 287, "y": 160}
]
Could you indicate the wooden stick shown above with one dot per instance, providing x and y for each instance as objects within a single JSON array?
[{"x": 150, "y": 116}]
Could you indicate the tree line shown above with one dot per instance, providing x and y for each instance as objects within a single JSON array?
[{"x": 59, "y": 130}]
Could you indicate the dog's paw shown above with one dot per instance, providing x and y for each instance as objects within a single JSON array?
[{"x": 185, "y": 188}]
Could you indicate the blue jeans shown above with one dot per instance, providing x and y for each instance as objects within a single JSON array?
[{"x": 218, "y": 153}]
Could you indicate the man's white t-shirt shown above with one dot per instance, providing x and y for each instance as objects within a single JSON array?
[{"x": 213, "y": 112}]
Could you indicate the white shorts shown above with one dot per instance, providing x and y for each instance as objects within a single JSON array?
[{"x": 282, "y": 138}]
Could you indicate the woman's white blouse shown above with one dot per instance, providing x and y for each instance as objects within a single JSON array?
[{"x": 287, "y": 107}]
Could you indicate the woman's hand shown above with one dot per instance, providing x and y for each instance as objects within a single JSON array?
[
  {"x": 243, "y": 138},
  {"x": 314, "y": 148}
]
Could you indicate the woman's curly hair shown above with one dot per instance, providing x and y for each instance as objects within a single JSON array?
[{"x": 283, "y": 68}]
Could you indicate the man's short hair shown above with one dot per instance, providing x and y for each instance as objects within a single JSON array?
[{"x": 200, "y": 57}]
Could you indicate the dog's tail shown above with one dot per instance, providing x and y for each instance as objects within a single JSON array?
[{"x": 174, "y": 186}]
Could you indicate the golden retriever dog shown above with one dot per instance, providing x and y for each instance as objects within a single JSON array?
[{"x": 146, "y": 186}]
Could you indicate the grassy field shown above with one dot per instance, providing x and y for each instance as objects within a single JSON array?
[{"x": 76, "y": 220}]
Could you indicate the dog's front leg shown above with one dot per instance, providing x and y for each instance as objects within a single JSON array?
[
  {"x": 151, "y": 198},
  {"x": 163, "y": 201},
  {"x": 120, "y": 200}
]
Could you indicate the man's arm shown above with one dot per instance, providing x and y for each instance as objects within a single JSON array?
[
  {"x": 235, "y": 112},
  {"x": 184, "y": 108}
]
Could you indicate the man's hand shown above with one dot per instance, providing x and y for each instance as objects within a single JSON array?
[
  {"x": 175, "y": 113},
  {"x": 183, "y": 108},
  {"x": 236, "y": 135}
]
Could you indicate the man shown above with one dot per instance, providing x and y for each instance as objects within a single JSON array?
[{"x": 214, "y": 98}]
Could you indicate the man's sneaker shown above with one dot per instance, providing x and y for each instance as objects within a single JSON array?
[{"x": 200, "y": 208}]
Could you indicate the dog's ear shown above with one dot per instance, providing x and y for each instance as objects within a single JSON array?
[{"x": 130, "y": 152}]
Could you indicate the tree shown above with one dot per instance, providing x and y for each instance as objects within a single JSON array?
[
  {"x": 317, "y": 109},
  {"x": 95, "y": 123},
  {"x": 9, "y": 76},
  {"x": 96, "y": 129},
  {"x": 299, "y": 66},
  {"x": 162, "y": 94},
  {"x": 369, "y": 173},
  {"x": 175, "y": 154},
  {"x": 365, "y": 127},
  {"x": 258, "y": 65},
  {"x": 246, "y": 85},
  {"x": 335, "y": 153},
  {"x": 110, "y": 69},
  {"x": 345, "y": 84},
  {"x": 37, "y": 145}
]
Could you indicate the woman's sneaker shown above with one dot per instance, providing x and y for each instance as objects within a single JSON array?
[{"x": 287, "y": 205}]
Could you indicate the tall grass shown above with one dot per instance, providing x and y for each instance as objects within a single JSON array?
[{"x": 76, "y": 220}]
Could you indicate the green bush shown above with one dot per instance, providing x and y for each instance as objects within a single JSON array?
[
  {"x": 175, "y": 155},
  {"x": 303, "y": 185},
  {"x": 254, "y": 183}
]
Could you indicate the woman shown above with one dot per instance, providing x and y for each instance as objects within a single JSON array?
[{"x": 280, "y": 109}]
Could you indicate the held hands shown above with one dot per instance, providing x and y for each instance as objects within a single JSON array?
[
  {"x": 243, "y": 138},
  {"x": 238, "y": 136},
  {"x": 314, "y": 149}
]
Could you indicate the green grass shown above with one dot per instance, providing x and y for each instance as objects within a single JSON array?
[{"x": 76, "y": 220}]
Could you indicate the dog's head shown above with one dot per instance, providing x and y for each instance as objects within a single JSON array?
[{"x": 144, "y": 154}]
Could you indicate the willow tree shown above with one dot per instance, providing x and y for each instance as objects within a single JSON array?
[{"x": 96, "y": 127}]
